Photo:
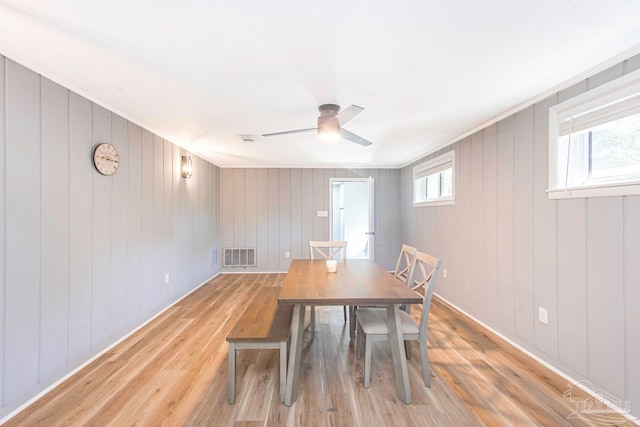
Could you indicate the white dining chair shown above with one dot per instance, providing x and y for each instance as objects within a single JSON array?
[
  {"x": 326, "y": 250},
  {"x": 372, "y": 321}
]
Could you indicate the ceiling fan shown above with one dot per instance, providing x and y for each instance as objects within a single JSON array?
[{"x": 329, "y": 124}]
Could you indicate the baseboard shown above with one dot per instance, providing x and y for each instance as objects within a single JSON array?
[
  {"x": 252, "y": 272},
  {"x": 539, "y": 360},
  {"x": 92, "y": 359}
]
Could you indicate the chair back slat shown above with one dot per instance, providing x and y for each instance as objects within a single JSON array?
[
  {"x": 327, "y": 249},
  {"x": 405, "y": 261}
]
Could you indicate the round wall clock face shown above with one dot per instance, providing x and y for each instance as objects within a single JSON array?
[{"x": 106, "y": 159}]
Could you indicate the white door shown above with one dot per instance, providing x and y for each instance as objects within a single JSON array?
[{"x": 351, "y": 215}]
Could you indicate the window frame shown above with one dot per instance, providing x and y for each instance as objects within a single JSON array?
[
  {"x": 612, "y": 93},
  {"x": 435, "y": 164}
]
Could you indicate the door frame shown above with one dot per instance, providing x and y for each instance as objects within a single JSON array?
[{"x": 372, "y": 225}]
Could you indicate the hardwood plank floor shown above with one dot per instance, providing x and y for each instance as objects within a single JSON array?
[{"x": 174, "y": 372}]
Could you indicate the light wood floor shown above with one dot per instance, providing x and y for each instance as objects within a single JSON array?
[{"x": 174, "y": 372}]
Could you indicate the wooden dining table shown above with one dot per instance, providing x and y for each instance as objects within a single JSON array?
[{"x": 355, "y": 283}]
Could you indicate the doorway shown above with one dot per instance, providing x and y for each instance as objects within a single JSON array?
[{"x": 351, "y": 218}]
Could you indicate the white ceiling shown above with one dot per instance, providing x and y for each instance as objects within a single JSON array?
[{"x": 199, "y": 73}]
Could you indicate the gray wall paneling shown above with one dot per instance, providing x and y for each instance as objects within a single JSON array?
[
  {"x": 84, "y": 255},
  {"x": 489, "y": 205},
  {"x": 544, "y": 234},
  {"x": 285, "y": 204},
  {"x": 504, "y": 219},
  {"x": 632, "y": 296},
  {"x": 23, "y": 230},
  {"x": 55, "y": 229},
  {"x": 134, "y": 227},
  {"x": 3, "y": 146},
  {"x": 523, "y": 224},
  {"x": 605, "y": 293},
  {"x": 577, "y": 258}
]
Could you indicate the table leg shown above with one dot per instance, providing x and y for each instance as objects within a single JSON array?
[
  {"x": 295, "y": 354},
  {"x": 397, "y": 352}
]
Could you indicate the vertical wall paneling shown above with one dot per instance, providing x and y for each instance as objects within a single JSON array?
[
  {"x": 571, "y": 274},
  {"x": 489, "y": 204},
  {"x": 134, "y": 226},
  {"x": 605, "y": 293},
  {"x": 23, "y": 231},
  {"x": 239, "y": 211},
  {"x": 101, "y": 273},
  {"x": 167, "y": 206},
  {"x": 250, "y": 208},
  {"x": 179, "y": 281},
  {"x": 119, "y": 237},
  {"x": 158, "y": 267},
  {"x": 463, "y": 193},
  {"x": 274, "y": 219},
  {"x": 523, "y": 224},
  {"x": 55, "y": 230},
  {"x": 284, "y": 216},
  {"x": 318, "y": 204},
  {"x": 3, "y": 283},
  {"x": 81, "y": 173},
  {"x": 227, "y": 203},
  {"x": 308, "y": 213},
  {"x": 146, "y": 264},
  {"x": 286, "y": 206},
  {"x": 262, "y": 211},
  {"x": 632, "y": 296},
  {"x": 295, "y": 241},
  {"x": 476, "y": 222},
  {"x": 544, "y": 232}
]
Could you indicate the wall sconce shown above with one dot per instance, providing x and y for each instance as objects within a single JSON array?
[{"x": 187, "y": 168}]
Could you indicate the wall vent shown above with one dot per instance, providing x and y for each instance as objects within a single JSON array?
[{"x": 239, "y": 257}]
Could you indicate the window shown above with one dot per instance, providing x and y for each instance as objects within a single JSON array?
[
  {"x": 594, "y": 142},
  {"x": 433, "y": 182}
]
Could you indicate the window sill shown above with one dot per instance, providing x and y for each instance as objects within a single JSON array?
[
  {"x": 448, "y": 202},
  {"x": 602, "y": 190}
]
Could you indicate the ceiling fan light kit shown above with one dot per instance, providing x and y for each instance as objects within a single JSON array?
[{"x": 328, "y": 124}]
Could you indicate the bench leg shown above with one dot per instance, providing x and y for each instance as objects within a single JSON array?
[
  {"x": 295, "y": 354},
  {"x": 232, "y": 372},
  {"x": 313, "y": 321},
  {"x": 283, "y": 369}
]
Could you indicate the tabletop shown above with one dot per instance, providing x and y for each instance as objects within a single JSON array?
[{"x": 356, "y": 282}]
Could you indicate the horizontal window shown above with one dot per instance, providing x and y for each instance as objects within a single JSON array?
[
  {"x": 433, "y": 182},
  {"x": 594, "y": 142}
]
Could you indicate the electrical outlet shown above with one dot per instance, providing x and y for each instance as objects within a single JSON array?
[
  {"x": 543, "y": 315},
  {"x": 287, "y": 254},
  {"x": 166, "y": 279},
  {"x": 444, "y": 273}
]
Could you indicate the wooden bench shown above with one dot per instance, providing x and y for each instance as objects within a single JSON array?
[{"x": 263, "y": 325}]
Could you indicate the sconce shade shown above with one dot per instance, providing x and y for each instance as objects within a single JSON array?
[{"x": 187, "y": 168}]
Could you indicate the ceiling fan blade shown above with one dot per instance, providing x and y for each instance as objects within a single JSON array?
[
  {"x": 287, "y": 132},
  {"x": 348, "y": 113},
  {"x": 353, "y": 137}
]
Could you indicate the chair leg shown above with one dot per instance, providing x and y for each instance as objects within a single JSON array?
[
  {"x": 367, "y": 360},
  {"x": 407, "y": 349},
  {"x": 424, "y": 358},
  {"x": 352, "y": 321},
  {"x": 313, "y": 321},
  {"x": 359, "y": 342},
  {"x": 344, "y": 310},
  {"x": 232, "y": 373}
]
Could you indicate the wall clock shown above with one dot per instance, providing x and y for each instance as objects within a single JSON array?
[{"x": 106, "y": 159}]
